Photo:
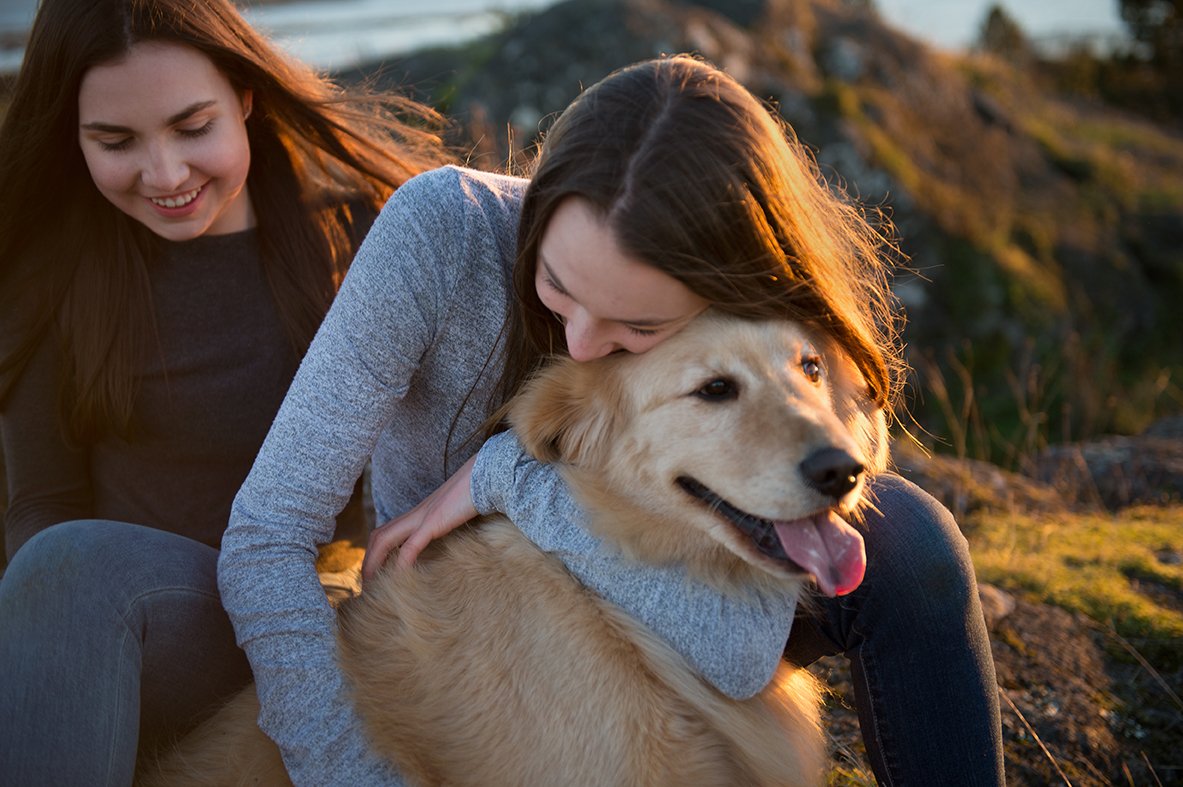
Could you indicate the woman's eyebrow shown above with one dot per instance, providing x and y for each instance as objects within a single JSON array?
[{"x": 179, "y": 117}]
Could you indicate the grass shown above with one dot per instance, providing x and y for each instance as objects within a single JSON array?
[
  {"x": 1003, "y": 401},
  {"x": 1121, "y": 570},
  {"x": 850, "y": 776},
  {"x": 1122, "y": 574}
]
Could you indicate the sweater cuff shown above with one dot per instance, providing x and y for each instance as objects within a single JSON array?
[{"x": 493, "y": 472}]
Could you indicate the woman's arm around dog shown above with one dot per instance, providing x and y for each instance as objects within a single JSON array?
[{"x": 503, "y": 478}]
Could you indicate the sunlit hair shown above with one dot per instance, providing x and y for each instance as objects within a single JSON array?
[
  {"x": 694, "y": 175},
  {"x": 74, "y": 267}
]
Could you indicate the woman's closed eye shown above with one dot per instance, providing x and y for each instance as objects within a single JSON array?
[
  {"x": 200, "y": 131},
  {"x": 554, "y": 285},
  {"x": 115, "y": 146}
]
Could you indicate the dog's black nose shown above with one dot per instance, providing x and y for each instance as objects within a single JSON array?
[{"x": 831, "y": 471}]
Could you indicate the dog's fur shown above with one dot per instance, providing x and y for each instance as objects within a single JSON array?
[{"x": 489, "y": 664}]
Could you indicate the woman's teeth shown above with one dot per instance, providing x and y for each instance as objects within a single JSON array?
[{"x": 178, "y": 201}]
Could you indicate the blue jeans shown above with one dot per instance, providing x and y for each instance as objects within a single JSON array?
[
  {"x": 919, "y": 653},
  {"x": 112, "y": 640}
]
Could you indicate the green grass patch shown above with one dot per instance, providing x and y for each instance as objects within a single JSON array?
[
  {"x": 1125, "y": 135},
  {"x": 1121, "y": 570},
  {"x": 1036, "y": 288}
]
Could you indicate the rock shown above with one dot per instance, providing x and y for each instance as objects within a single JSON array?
[
  {"x": 1166, "y": 428},
  {"x": 1116, "y": 471},
  {"x": 996, "y": 603},
  {"x": 1052, "y": 675},
  {"x": 744, "y": 13},
  {"x": 967, "y": 485},
  {"x": 844, "y": 59}
]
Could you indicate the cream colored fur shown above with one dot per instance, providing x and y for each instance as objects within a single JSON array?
[{"x": 488, "y": 664}]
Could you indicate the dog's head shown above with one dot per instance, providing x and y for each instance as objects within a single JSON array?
[{"x": 736, "y": 447}]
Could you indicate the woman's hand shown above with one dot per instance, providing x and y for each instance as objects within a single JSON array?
[{"x": 441, "y": 512}]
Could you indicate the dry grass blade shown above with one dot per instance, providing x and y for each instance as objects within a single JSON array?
[
  {"x": 1150, "y": 768},
  {"x": 1034, "y": 735},
  {"x": 1144, "y": 663}
]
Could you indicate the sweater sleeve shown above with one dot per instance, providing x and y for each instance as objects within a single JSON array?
[
  {"x": 357, "y": 367},
  {"x": 734, "y": 642},
  {"x": 48, "y": 480}
]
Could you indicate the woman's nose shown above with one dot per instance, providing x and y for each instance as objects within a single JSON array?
[
  {"x": 164, "y": 171},
  {"x": 586, "y": 339}
]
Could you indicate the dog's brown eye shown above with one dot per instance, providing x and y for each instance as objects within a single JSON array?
[
  {"x": 718, "y": 390},
  {"x": 812, "y": 367}
]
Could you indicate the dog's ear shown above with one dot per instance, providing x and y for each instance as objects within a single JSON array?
[{"x": 567, "y": 412}]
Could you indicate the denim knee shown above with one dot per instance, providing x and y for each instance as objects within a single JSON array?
[
  {"x": 53, "y": 560},
  {"x": 88, "y": 564},
  {"x": 916, "y": 550}
]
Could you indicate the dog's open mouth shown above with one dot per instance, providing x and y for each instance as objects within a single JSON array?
[{"x": 823, "y": 544}]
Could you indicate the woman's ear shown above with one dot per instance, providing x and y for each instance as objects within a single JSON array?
[
  {"x": 248, "y": 103},
  {"x": 567, "y": 413}
]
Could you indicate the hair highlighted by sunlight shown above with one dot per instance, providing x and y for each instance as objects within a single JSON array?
[{"x": 695, "y": 176}]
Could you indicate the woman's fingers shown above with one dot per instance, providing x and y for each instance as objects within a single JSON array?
[
  {"x": 384, "y": 540},
  {"x": 442, "y": 511},
  {"x": 416, "y": 542}
]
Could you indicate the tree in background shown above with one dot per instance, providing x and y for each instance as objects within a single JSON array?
[
  {"x": 1001, "y": 35},
  {"x": 1143, "y": 75},
  {"x": 1157, "y": 26}
]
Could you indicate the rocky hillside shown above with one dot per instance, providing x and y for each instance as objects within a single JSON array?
[{"x": 1045, "y": 235}]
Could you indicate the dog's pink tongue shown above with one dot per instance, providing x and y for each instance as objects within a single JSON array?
[{"x": 827, "y": 547}]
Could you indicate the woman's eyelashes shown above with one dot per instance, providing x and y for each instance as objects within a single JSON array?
[
  {"x": 115, "y": 147},
  {"x": 187, "y": 133},
  {"x": 200, "y": 131},
  {"x": 552, "y": 284}
]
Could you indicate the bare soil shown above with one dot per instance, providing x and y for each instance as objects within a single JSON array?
[{"x": 1076, "y": 707}]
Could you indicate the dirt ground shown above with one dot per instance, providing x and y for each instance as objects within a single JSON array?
[{"x": 1076, "y": 708}]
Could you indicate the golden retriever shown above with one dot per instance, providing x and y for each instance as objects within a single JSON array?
[{"x": 736, "y": 448}]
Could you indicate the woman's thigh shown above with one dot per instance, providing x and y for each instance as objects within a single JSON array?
[{"x": 114, "y": 638}]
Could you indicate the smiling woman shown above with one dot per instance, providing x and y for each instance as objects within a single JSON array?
[
  {"x": 179, "y": 172},
  {"x": 178, "y": 203}
]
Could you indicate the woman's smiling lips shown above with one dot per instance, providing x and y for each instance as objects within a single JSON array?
[{"x": 177, "y": 204}]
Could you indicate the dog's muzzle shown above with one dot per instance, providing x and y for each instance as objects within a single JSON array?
[{"x": 761, "y": 531}]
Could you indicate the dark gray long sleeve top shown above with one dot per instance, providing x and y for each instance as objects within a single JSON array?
[{"x": 205, "y": 398}]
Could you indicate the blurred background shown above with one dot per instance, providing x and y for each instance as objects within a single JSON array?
[
  {"x": 1029, "y": 156},
  {"x": 333, "y": 33}
]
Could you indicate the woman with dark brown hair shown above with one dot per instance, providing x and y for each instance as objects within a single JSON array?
[
  {"x": 178, "y": 204},
  {"x": 666, "y": 188}
]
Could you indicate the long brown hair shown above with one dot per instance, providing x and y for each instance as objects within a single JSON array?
[
  {"x": 695, "y": 176},
  {"x": 75, "y": 267}
]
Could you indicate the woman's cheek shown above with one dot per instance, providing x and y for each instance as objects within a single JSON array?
[{"x": 111, "y": 175}]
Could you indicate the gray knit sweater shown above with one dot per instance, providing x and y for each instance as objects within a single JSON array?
[{"x": 404, "y": 348}]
